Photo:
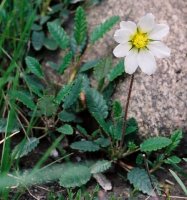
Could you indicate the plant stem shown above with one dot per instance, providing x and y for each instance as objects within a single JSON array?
[{"x": 126, "y": 111}]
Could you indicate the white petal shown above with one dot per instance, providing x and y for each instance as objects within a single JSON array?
[
  {"x": 130, "y": 26},
  {"x": 159, "y": 49},
  {"x": 159, "y": 31},
  {"x": 147, "y": 23},
  {"x": 122, "y": 36},
  {"x": 146, "y": 62},
  {"x": 131, "y": 62},
  {"x": 122, "y": 50}
]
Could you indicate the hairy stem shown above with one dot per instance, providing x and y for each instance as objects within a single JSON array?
[{"x": 126, "y": 110}]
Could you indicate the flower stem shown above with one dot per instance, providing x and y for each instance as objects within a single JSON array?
[{"x": 126, "y": 111}]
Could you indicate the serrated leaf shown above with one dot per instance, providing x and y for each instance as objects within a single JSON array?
[
  {"x": 173, "y": 160},
  {"x": 80, "y": 29},
  {"x": 37, "y": 39},
  {"x": 25, "y": 147},
  {"x": 102, "y": 142},
  {"x": 75, "y": 176},
  {"x": 58, "y": 34},
  {"x": 64, "y": 91},
  {"x": 96, "y": 103},
  {"x": 100, "y": 166},
  {"x": 73, "y": 95},
  {"x": 47, "y": 106},
  {"x": 117, "y": 127},
  {"x": 140, "y": 180},
  {"x": 65, "y": 129},
  {"x": 117, "y": 71},
  {"x": 155, "y": 143},
  {"x": 89, "y": 65},
  {"x": 3, "y": 126},
  {"x": 77, "y": 49},
  {"x": 65, "y": 62},
  {"x": 108, "y": 91},
  {"x": 24, "y": 97},
  {"x": 102, "y": 68},
  {"x": 102, "y": 123},
  {"x": 176, "y": 138},
  {"x": 67, "y": 116},
  {"x": 82, "y": 130},
  {"x": 34, "y": 66},
  {"x": 34, "y": 85},
  {"x": 117, "y": 109},
  {"x": 100, "y": 30},
  {"x": 85, "y": 146}
]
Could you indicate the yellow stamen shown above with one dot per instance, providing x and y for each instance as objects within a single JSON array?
[{"x": 140, "y": 40}]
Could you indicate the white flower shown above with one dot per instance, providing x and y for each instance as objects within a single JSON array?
[{"x": 140, "y": 43}]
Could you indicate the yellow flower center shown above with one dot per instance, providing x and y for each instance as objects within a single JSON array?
[{"x": 140, "y": 40}]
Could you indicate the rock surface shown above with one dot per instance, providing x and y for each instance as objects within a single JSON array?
[{"x": 159, "y": 102}]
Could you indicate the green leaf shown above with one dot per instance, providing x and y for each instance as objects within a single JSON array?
[
  {"x": 89, "y": 65},
  {"x": 67, "y": 116},
  {"x": 117, "y": 128},
  {"x": 117, "y": 71},
  {"x": 66, "y": 62},
  {"x": 100, "y": 166},
  {"x": 82, "y": 130},
  {"x": 65, "y": 129},
  {"x": 3, "y": 126},
  {"x": 50, "y": 44},
  {"x": 96, "y": 103},
  {"x": 34, "y": 85},
  {"x": 47, "y": 106},
  {"x": 73, "y": 95},
  {"x": 75, "y": 176},
  {"x": 140, "y": 180},
  {"x": 155, "y": 143},
  {"x": 34, "y": 66},
  {"x": 37, "y": 39},
  {"x": 176, "y": 138},
  {"x": 117, "y": 109},
  {"x": 85, "y": 146},
  {"x": 100, "y": 30},
  {"x": 77, "y": 49},
  {"x": 130, "y": 129},
  {"x": 24, "y": 97},
  {"x": 64, "y": 91},
  {"x": 132, "y": 126},
  {"x": 58, "y": 34},
  {"x": 102, "y": 142},
  {"x": 36, "y": 27},
  {"x": 179, "y": 181},
  {"x": 80, "y": 29},
  {"x": 25, "y": 147},
  {"x": 101, "y": 70},
  {"x": 102, "y": 123},
  {"x": 173, "y": 160}
]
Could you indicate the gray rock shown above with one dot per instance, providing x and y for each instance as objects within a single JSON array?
[{"x": 159, "y": 102}]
